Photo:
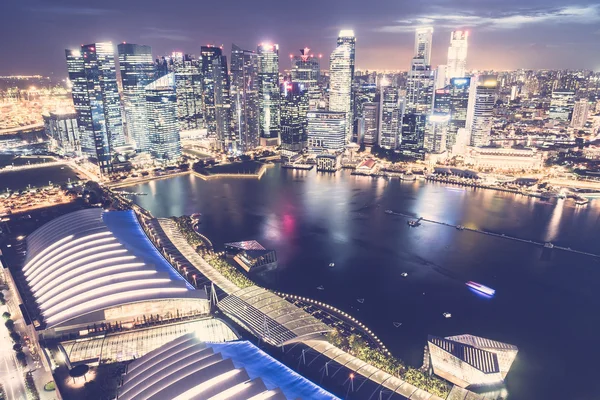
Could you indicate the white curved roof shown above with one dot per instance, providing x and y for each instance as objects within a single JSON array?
[
  {"x": 188, "y": 368},
  {"x": 91, "y": 260}
]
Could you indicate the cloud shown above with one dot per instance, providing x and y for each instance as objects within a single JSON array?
[
  {"x": 505, "y": 20},
  {"x": 81, "y": 11},
  {"x": 168, "y": 34}
]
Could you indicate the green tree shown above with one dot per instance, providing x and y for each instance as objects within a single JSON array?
[
  {"x": 15, "y": 337},
  {"x": 10, "y": 325},
  {"x": 6, "y": 315},
  {"x": 21, "y": 358}
]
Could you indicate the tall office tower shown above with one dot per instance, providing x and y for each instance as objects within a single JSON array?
[
  {"x": 419, "y": 88},
  {"x": 244, "y": 97},
  {"x": 163, "y": 125},
  {"x": 208, "y": 55},
  {"x": 61, "y": 128},
  {"x": 480, "y": 113},
  {"x": 226, "y": 137},
  {"x": 413, "y": 133},
  {"x": 341, "y": 74},
  {"x": 92, "y": 72},
  {"x": 561, "y": 104},
  {"x": 458, "y": 108},
  {"x": 457, "y": 55},
  {"x": 390, "y": 115},
  {"x": 369, "y": 124},
  {"x": 420, "y": 85},
  {"x": 306, "y": 70},
  {"x": 580, "y": 113},
  {"x": 326, "y": 131},
  {"x": 294, "y": 107},
  {"x": 423, "y": 40},
  {"x": 268, "y": 94},
  {"x": 137, "y": 71},
  {"x": 188, "y": 84},
  {"x": 435, "y": 133}
]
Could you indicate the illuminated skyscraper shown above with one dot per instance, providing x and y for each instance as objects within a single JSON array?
[
  {"x": 482, "y": 98},
  {"x": 390, "y": 115},
  {"x": 244, "y": 97},
  {"x": 326, "y": 131},
  {"x": 92, "y": 72},
  {"x": 163, "y": 125},
  {"x": 306, "y": 69},
  {"x": 341, "y": 73},
  {"x": 188, "y": 84},
  {"x": 459, "y": 90},
  {"x": 369, "y": 124},
  {"x": 225, "y": 135},
  {"x": 457, "y": 55},
  {"x": 420, "y": 85},
  {"x": 423, "y": 39},
  {"x": 268, "y": 94},
  {"x": 435, "y": 133},
  {"x": 137, "y": 71},
  {"x": 208, "y": 55},
  {"x": 294, "y": 106}
]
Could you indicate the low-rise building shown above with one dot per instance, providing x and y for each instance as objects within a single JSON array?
[
  {"x": 504, "y": 158},
  {"x": 467, "y": 360}
]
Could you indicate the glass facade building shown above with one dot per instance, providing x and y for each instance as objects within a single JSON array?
[
  {"x": 306, "y": 69},
  {"x": 163, "y": 126},
  {"x": 209, "y": 54},
  {"x": 188, "y": 84},
  {"x": 294, "y": 107},
  {"x": 457, "y": 55},
  {"x": 137, "y": 71},
  {"x": 481, "y": 109},
  {"x": 390, "y": 114},
  {"x": 341, "y": 74},
  {"x": 62, "y": 130},
  {"x": 244, "y": 97},
  {"x": 268, "y": 94},
  {"x": 92, "y": 72},
  {"x": 369, "y": 124},
  {"x": 326, "y": 131}
]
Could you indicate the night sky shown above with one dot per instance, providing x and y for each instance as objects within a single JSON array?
[{"x": 505, "y": 34}]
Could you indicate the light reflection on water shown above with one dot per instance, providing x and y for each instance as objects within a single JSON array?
[{"x": 544, "y": 299}]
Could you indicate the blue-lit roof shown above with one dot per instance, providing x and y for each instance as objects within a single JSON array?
[
  {"x": 273, "y": 373},
  {"x": 187, "y": 368},
  {"x": 93, "y": 260},
  {"x": 126, "y": 228}
]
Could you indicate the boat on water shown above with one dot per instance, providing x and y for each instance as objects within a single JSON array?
[
  {"x": 413, "y": 223},
  {"x": 447, "y": 315},
  {"x": 481, "y": 288},
  {"x": 548, "y": 245},
  {"x": 320, "y": 287},
  {"x": 409, "y": 177},
  {"x": 331, "y": 265},
  {"x": 397, "y": 324},
  {"x": 360, "y": 300},
  {"x": 404, "y": 274},
  {"x": 389, "y": 212}
]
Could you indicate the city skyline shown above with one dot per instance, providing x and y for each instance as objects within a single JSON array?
[{"x": 525, "y": 34}]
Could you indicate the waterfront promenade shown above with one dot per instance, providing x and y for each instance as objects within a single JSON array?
[
  {"x": 385, "y": 380},
  {"x": 174, "y": 235}
]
